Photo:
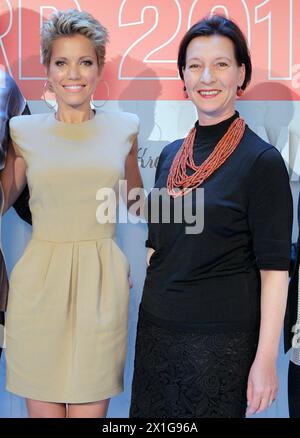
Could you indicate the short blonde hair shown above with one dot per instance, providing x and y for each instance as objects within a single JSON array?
[{"x": 72, "y": 22}]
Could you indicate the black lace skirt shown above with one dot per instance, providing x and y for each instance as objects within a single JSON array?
[{"x": 181, "y": 374}]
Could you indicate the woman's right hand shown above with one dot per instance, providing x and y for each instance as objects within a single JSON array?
[
  {"x": 150, "y": 253},
  {"x": 262, "y": 385}
]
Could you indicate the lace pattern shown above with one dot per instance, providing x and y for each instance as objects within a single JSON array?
[{"x": 190, "y": 375}]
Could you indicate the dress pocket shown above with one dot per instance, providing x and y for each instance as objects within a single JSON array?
[{"x": 122, "y": 257}]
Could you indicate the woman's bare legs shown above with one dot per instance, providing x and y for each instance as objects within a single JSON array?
[
  {"x": 39, "y": 409},
  {"x": 88, "y": 410}
]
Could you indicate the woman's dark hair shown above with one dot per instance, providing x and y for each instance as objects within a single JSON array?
[{"x": 218, "y": 25}]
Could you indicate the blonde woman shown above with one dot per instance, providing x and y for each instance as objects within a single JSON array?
[{"x": 68, "y": 306}]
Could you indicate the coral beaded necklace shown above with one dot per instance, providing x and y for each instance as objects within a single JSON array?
[{"x": 179, "y": 182}]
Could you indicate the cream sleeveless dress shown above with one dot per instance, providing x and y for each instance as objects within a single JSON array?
[{"x": 66, "y": 321}]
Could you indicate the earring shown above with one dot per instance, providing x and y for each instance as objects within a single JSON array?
[
  {"x": 47, "y": 87},
  {"x": 93, "y": 105},
  {"x": 240, "y": 92},
  {"x": 185, "y": 92}
]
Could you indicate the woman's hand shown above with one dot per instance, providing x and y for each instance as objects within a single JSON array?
[
  {"x": 262, "y": 385},
  {"x": 263, "y": 380},
  {"x": 150, "y": 253}
]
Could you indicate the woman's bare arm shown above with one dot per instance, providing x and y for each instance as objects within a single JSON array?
[
  {"x": 133, "y": 177},
  {"x": 263, "y": 380},
  {"x": 13, "y": 178}
]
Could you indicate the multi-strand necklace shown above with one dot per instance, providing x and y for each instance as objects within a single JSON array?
[{"x": 179, "y": 182}]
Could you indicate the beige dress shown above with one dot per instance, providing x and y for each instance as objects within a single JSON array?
[{"x": 66, "y": 322}]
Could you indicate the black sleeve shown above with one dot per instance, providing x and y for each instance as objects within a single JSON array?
[
  {"x": 26, "y": 110},
  {"x": 22, "y": 206},
  {"x": 16, "y": 103},
  {"x": 270, "y": 211},
  {"x": 295, "y": 245},
  {"x": 22, "y": 203}
]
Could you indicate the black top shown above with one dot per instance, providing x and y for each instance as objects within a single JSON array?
[{"x": 210, "y": 280}]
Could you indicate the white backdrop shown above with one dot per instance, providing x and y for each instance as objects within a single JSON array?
[{"x": 162, "y": 122}]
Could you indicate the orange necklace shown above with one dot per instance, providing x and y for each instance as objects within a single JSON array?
[{"x": 179, "y": 182}]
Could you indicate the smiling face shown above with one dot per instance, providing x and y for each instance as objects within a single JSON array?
[
  {"x": 212, "y": 77},
  {"x": 73, "y": 73}
]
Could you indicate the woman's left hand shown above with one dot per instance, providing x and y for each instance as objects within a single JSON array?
[
  {"x": 262, "y": 385},
  {"x": 129, "y": 282}
]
